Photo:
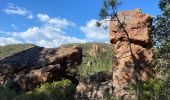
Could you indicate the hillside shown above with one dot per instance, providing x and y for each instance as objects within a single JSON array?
[
  {"x": 97, "y": 57},
  {"x": 100, "y": 61},
  {"x": 12, "y": 49}
]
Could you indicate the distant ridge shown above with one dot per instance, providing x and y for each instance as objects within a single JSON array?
[{"x": 8, "y": 50}]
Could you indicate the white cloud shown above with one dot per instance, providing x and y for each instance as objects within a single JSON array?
[
  {"x": 43, "y": 17},
  {"x": 30, "y": 16},
  {"x": 46, "y": 37},
  {"x": 52, "y": 33},
  {"x": 57, "y": 22},
  {"x": 93, "y": 32},
  {"x": 11, "y": 9},
  {"x": 5, "y": 41},
  {"x": 60, "y": 22},
  {"x": 15, "y": 10},
  {"x": 49, "y": 34}
]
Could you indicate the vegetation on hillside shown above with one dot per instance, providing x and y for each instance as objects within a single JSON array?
[
  {"x": 12, "y": 49},
  {"x": 61, "y": 90},
  {"x": 155, "y": 88},
  {"x": 93, "y": 64}
]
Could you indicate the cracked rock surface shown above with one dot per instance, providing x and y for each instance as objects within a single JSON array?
[
  {"x": 130, "y": 51},
  {"x": 37, "y": 65}
]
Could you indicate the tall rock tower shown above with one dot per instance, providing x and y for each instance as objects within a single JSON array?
[{"x": 132, "y": 51}]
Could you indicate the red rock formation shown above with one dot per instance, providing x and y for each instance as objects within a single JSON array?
[
  {"x": 37, "y": 65},
  {"x": 135, "y": 23},
  {"x": 130, "y": 51},
  {"x": 93, "y": 51},
  {"x": 95, "y": 87}
]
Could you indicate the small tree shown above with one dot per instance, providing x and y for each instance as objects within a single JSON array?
[
  {"x": 162, "y": 23},
  {"x": 161, "y": 35},
  {"x": 108, "y": 12}
]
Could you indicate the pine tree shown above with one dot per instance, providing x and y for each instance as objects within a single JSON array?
[
  {"x": 161, "y": 34},
  {"x": 162, "y": 23}
]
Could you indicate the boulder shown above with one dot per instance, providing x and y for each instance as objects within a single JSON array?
[
  {"x": 132, "y": 52},
  {"x": 95, "y": 87},
  {"x": 38, "y": 65},
  {"x": 136, "y": 24}
]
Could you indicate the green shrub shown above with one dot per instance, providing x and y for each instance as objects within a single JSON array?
[
  {"x": 101, "y": 62},
  {"x": 8, "y": 50},
  {"x": 61, "y": 90},
  {"x": 6, "y": 93},
  {"x": 150, "y": 89}
]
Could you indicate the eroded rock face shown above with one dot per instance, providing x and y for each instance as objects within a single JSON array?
[
  {"x": 93, "y": 51},
  {"x": 37, "y": 65},
  {"x": 95, "y": 87},
  {"x": 135, "y": 23},
  {"x": 130, "y": 51}
]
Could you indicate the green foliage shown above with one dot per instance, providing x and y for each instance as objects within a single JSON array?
[
  {"x": 6, "y": 93},
  {"x": 162, "y": 23},
  {"x": 109, "y": 97},
  {"x": 108, "y": 8},
  {"x": 101, "y": 62},
  {"x": 165, "y": 90},
  {"x": 12, "y": 49},
  {"x": 103, "y": 13},
  {"x": 110, "y": 3},
  {"x": 164, "y": 5},
  {"x": 98, "y": 24},
  {"x": 107, "y": 11},
  {"x": 163, "y": 67},
  {"x": 61, "y": 90},
  {"x": 158, "y": 86},
  {"x": 161, "y": 35},
  {"x": 151, "y": 88}
]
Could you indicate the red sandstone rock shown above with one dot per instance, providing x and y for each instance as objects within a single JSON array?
[
  {"x": 136, "y": 24},
  {"x": 93, "y": 51},
  {"x": 95, "y": 87},
  {"x": 130, "y": 52},
  {"x": 37, "y": 65}
]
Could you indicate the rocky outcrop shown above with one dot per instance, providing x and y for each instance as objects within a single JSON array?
[
  {"x": 94, "y": 50},
  {"x": 135, "y": 23},
  {"x": 37, "y": 65},
  {"x": 133, "y": 49},
  {"x": 95, "y": 87}
]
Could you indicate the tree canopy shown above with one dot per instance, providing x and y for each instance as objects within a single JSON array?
[{"x": 161, "y": 32}]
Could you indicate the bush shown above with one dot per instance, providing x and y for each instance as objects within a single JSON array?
[
  {"x": 61, "y": 90},
  {"x": 101, "y": 62},
  {"x": 6, "y": 93}
]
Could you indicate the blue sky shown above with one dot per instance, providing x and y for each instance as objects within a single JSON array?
[{"x": 51, "y": 23}]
